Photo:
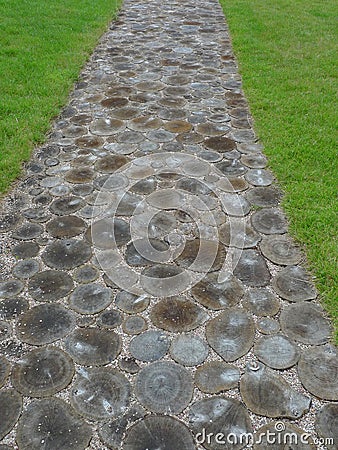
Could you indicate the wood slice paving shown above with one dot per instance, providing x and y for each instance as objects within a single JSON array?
[{"x": 151, "y": 296}]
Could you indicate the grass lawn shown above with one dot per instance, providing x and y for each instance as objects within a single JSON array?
[
  {"x": 43, "y": 45},
  {"x": 287, "y": 54}
]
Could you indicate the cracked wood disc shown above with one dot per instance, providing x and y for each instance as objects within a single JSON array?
[{"x": 231, "y": 333}]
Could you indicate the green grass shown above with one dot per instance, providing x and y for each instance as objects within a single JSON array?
[
  {"x": 287, "y": 54},
  {"x": 43, "y": 45}
]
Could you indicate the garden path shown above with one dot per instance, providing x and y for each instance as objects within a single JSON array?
[{"x": 151, "y": 294}]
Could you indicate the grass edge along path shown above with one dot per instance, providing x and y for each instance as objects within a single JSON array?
[
  {"x": 43, "y": 46},
  {"x": 286, "y": 52}
]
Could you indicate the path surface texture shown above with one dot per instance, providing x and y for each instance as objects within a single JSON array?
[{"x": 151, "y": 297}]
